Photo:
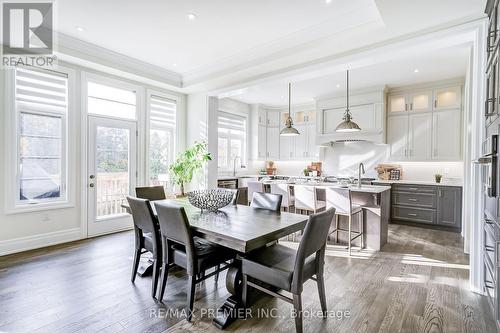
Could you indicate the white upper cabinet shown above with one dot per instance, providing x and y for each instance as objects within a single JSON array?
[
  {"x": 262, "y": 134},
  {"x": 301, "y": 142},
  {"x": 419, "y": 137},
  {"x": 262, "y": 117},
  {"x": 448, "y": 98},
  {"x": 313, "y": 148},
  {"x": 397, "y": 137},
  {"x": 397, "y": 103},
  {"x": 420, "y": 101},
  {"x": 273, "y": 142},
  {"x": 273, "y": 118},
  {"x": 447, "y": 135}
]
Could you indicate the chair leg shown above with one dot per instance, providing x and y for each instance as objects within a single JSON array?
[
  {"x": 156, "y": 273},
  {"x": 163, "y": 280},
  {"x": 321, "y": 291},
  {"x": 190, "y": 296},
  {"x": 297, "y": 306},
  {"x": 135, "y": 264},
  {"x": 217, "y": 274},
  {"x": 244, "y": 291},
  {"x": 336, "y": 228},
  {"x": 349, "y": 235},
  {"x": 362, "y": 228}
]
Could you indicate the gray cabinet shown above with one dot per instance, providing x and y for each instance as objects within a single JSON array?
[
  {"x": 427, "y": 205},
  {"x": 449, "y": 212}
]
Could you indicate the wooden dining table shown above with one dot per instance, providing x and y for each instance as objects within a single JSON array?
[{"x": 240, "y": 228}]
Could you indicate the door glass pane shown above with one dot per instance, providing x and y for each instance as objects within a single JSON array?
[
  {"x": 160, "y": 156},
  {"x": 112, "y": 166},
  {"x": 110, "y": 101},
  {"x": 446, "y": 98},
  {"x": 420, "y": 102},
  {"x": 397, "y": 103}
]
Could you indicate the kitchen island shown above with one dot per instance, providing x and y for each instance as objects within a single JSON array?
[{"x": 376, "y": 203}]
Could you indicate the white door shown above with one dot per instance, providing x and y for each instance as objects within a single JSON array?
[
  {"x": 112, "y": 173},
  {"x": 397, "y": 137},
  {"x": 420, "y": 137},
  {"x": 447, "y": 135}
]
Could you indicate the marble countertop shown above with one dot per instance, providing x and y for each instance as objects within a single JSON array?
[
  {"x": 455, "y": 183},
  {"x": 364, "y": 188}
]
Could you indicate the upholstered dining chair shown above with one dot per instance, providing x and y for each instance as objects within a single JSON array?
[
  {"x": 254, "y": 186},
  {"x": 147, "y": 237},
  {"x": 151, "y": 192},
  {"x": 193, "y": 254},
  {"x": 285, "y": 190},
  {"x": 267, "y": 201},
  {"x": 284, "y": 268}
]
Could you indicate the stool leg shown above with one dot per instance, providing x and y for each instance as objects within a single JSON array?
[
  {"x": 349, "y": 235},
  {"x": 336, "y": 228},
  {"x": 362, "y": 216}
]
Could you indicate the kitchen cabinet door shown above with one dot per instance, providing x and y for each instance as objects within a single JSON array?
[
  {"x": 364, "y": 116},
  {"x": 287, "y": 144},
  {"x": 420, "y": 137},
  {"x": 273, "y": 142},
  {"x": 447, "y": 135},
  {"x": 448, "y": 98},
  {"x": 449, "y": 206},
  {"x": 420, "y": 101},
  {"x": 273, "y": 118},
  {"x": 331, "y": 118},
  {"x": 397, "y": 137},
  {"x": 313, "y": 149},
  {"x": 262, "y": 150},
  {"x": 262, "y": 117},
  {"x": 397, "y": 103},
  {"x": 301, "y": 142}
]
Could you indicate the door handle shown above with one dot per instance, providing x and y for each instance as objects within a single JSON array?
[
  {"x": 410, "y": 214},
  {"x": 91, "y": 176},
  {"x": 412, "y": 199},
  {"x": 91, "y": 185}
]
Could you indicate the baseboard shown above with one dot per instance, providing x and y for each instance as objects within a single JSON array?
[{"x": 37, "y": 241}]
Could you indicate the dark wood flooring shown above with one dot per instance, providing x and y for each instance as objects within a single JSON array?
[{"x": 418, "y": 283}]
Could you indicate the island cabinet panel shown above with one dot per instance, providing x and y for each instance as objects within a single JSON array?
[{"x": 426, "y": 205}]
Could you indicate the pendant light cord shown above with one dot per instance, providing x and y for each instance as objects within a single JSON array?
[
  {"x": 347, "y": 90},
  {"x": 289, "y": 99}
]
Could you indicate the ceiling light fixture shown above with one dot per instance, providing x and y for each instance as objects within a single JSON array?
[
  {"x": 191, "y": 16},
  {"x": 289, "y": 130},
  {"x": 347, "y": 125}
]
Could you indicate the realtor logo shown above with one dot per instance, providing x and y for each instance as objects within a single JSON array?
[{"x": 28, "y": 34}]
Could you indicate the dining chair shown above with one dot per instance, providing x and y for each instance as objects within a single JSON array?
[
  {"x": 147, "y": 237},
  {"x": 281, "y": 267},
  {"x": 267, "y": 201},
  {"x": 193, "y": 254},
  {"x": 254, "y": 186},
  {"x": 151, "y": 192},
  {"x": 286, "y": 192},
  {"x": 341, "y": 200},
  {"x": 306, "y": 199}
]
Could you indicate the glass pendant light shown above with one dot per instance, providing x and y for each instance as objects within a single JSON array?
[
  {"x": 347, "y": 125},
  {"x": 289, "y": 130}
]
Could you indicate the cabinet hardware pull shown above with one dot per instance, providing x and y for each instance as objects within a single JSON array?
[
  {"x": 488, "y": 221},
  {"x": 411, "y": 199},
  {"x": 435, "y": 103},
  {"x": 489, "y": 248},
  {"x": 489, "y": 284},
  {"x": 413, "y": 188},
  {"x": 411, "y": 106},
  {"x": 406, "y": 107},
  {"x": 410, "y": 214}
]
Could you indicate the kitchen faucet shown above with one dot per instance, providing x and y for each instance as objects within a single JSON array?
[{"x": 360, "y": 167}]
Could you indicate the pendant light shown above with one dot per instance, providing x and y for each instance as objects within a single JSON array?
[
  {"x": 289, "y": 130},
  {"x": 347, "y": 125}
]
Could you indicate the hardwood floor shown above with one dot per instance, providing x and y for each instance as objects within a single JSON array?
[{"x": 418, "y": 283}]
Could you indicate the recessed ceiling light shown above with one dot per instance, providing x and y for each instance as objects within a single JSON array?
[
  {"x": 338, "y": 86},
  {"x": 79, "y": 28},
  {"x": 328, "y": 1},
  {"x": 175, "y": 65},
  {"x": 191, "y": 16},
  {"x": 416, "y": 70}
]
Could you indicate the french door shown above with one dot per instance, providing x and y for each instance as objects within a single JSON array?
[{"x": 112, "y": 173}]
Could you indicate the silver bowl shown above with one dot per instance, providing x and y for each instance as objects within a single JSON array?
[{"x": 210, "y": 200}]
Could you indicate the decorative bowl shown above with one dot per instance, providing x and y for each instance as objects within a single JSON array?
[{"x": 210, "y": 200}]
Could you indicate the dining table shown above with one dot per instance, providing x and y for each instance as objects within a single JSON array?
[{"x": 242, "y": 229}]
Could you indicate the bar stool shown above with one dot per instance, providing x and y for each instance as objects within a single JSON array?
[
  {"x": 340, "y": 199},
  {"x": 254, "y": 186},
  {"x": 285, "y": 190},
  {"x": 306, "y": 199}
]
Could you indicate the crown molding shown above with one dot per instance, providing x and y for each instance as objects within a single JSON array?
[{"x": 77, "y": 51}]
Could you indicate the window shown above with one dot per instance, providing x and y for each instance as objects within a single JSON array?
[
  {"x": 232, "y": 140},
  {"x": 162, "y": 120},
  {"x": 41, "y": 99},
  {"x": 109, "y": 101}
]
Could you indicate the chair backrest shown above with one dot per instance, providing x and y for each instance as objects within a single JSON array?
[
  {"x": 142, "y": 214},
  {"x": 151, "y": 192},
  {"x": 284, "y": 191},
  {"x": 254, "y": 186},
  {"x": 305, "y": 197},
  {"x": 313, "y": 241},
  {"x": 340, "y": 199},
  {"x": 267, "y": 201},
  {"x": 174, "y": 226}
]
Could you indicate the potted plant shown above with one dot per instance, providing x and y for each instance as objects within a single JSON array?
[
  {"x": 438, "y": 177},
  {"x": 188, "y": 163}
]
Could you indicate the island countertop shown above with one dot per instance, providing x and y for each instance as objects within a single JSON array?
[{"x": 353, "y": 187}]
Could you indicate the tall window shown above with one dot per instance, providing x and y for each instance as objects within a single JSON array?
[
  {"x": 232, "y": 140},
  {"x": 109, "y": 101},
  {"x": 162, "y": 114},
  {"x": 41, "y": 99}
]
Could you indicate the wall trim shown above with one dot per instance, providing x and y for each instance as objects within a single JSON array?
[{"x": 22, "y": 244}]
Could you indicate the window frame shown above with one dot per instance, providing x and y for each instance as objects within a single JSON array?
[
  {"x": 13, "y": 203},
  {"x": 229, "y": 137},
  {"x": 175, "y": 131}
]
